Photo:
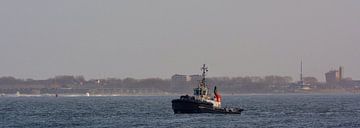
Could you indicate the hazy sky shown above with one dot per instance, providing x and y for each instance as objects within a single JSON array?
[{"x": 158, "y": 38}]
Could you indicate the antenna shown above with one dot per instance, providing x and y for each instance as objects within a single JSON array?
[
  {"x": 301, "y": 73},
  {"x": 301, "y": 78}
]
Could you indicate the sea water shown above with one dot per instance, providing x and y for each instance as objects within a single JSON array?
[{"x": 276, "y": 110}]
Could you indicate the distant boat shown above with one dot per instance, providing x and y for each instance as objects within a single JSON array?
[
  {"x": 18, "y": 93},
  {"x": 202, "y": 101},
  {"x": 87, "y": 94},
  {"x": 306, "y": 88},
  {"x": 56, "y": 95}
]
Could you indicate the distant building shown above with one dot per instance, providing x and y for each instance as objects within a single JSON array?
[
  {"x": 178, "y": 82},
  {"x": 195, "y": 78},
  {"x": 178, "y": 78},
  {"x": 334, "y": 75},
  {"x": 184, "y": 83}
]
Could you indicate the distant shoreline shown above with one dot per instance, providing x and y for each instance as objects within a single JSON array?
[{"x": 135, "y": 95}]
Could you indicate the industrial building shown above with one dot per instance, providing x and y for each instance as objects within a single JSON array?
[{"x": 334, "y": 76}]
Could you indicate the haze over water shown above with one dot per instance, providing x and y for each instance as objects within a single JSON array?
[{"x": 41, "y": 39}]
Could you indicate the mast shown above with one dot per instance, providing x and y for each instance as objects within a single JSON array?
[
  {"x": 301, "y": 73},
  {"x": 204, "y": 69},
  {"x": 202, "y": 91}
]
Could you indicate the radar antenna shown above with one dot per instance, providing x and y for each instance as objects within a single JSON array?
[{"x": 204, "y": 69}]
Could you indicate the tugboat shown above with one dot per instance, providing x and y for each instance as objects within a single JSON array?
[{"x": 202, "y": 101}]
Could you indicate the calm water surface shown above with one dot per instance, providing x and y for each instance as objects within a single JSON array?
[{"x": 335, "y": 110}]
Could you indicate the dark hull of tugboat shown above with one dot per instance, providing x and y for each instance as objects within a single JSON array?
[{"x": 193, "y": 106}]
